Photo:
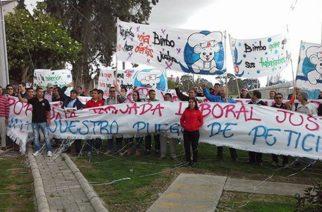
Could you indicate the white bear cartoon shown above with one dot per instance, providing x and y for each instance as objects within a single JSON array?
[
  {"x": 206, "y": 46},
  {"x": 314, "y": 53}
]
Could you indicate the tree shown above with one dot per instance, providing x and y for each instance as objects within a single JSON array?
[
  {"x": 187, "y": 82},
  {"x": 37, "y": 41},
  {"x": 93, "y": 24}
]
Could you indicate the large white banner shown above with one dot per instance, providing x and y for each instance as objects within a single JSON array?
[
  {"x": 309, "y": 69},
  {"x": 255, "y": 58},
  {"x": 190, "y": 51},
  {"x": 246, "y": 127},
  {"x": 55, "y": 77}
]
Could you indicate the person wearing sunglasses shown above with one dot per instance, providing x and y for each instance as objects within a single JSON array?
[
  {"x": 115, "y": 97},
  {"x": 278, "y": 103}
]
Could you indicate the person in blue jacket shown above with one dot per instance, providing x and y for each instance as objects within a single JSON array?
[{"x": 220, "y": 98}]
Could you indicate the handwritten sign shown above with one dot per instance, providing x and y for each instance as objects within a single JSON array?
[
  {"x": 309, "y": 70},
  {"x": 259, "y": 57},
  {"x": 198, "y": 52},
  {"x": 245, "y": 127},
  {"x": 55, "y": 77}
]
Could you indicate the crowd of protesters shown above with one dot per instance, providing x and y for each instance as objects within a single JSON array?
[{"x": 191, "y": 120}]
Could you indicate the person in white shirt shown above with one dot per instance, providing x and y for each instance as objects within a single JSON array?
[{"x": 304, "y": 106}]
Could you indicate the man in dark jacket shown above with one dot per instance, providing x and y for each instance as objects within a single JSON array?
[
  {"x": 72, "y": 101},
  {"x": 255, "y": 157}
]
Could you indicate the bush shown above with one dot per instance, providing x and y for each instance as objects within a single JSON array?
[{"x": 312, "y": 199}]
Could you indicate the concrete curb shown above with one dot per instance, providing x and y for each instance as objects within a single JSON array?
[
  {"x": 41, "y": 199},
  {"x": 89, "y": 191}
]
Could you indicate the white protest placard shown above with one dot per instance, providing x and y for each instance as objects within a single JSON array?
[
  {"x": 157, "y": 79},
  {"x": 190, "y": 51},
  {"x": 246, "y": 127},
  {"x": 55, "y": 77},
  {"x": 309, "y": 69},
  {"x": 255, "y": 58},
  {"x": 105, "y": 80}
]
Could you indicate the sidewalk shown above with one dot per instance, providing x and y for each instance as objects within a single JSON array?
[
  {"x": 60, "y": 186},
  {"x": 195, "y": 192}
]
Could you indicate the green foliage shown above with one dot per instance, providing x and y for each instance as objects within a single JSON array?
[
  {"x": 37, "y": 41},
  {"x": 171, "y": 84},
  {"x": 312, "y": 199},
  {"x": 16, "y": 186},
  {"x": 93, "y": 24}
]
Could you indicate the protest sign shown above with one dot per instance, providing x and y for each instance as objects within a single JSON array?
[
  {"x": 246, "y": 127},
  {"x": 55, "y": 77},
  {"x": 190, "y": 51},
  {"x": 309, "y": 69},
  {"x": 157, "y": 79},
  {"x": 255, "y": 58}
]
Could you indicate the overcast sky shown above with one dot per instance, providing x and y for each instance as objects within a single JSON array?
[{"x": 244, "y": 19}]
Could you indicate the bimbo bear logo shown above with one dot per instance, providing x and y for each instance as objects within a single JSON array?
[
  {"x": 312, "y": 64},
  {"x": 204, "y": 53},
  {"x": 154, "y": 78}
]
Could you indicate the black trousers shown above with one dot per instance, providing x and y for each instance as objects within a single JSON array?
[
  {"x": 275, "y": 159},
  {"x": 191, "y": 139},
  {"x": 255, "y": 157},
  {"x": 148, "y": 142},
  {"x": 233, "y": 153}
]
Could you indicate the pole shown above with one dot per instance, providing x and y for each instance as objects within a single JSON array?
[
  {"x": 4, "y": 75},
  {"x": 236, "y": 78}
]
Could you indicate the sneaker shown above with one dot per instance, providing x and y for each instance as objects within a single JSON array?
[
  {"x": 49, "y": 154},
  {"x": 36, "y": 153}
]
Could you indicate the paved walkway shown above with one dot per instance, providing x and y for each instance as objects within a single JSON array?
[
  {"x": 195, "y": 192},
  {"x": 62, "y": 189},
  {"x": 60, "y": 186}
]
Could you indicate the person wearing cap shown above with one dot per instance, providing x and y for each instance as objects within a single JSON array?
[
  {"x": 49, "y": 92},
  {"x": 304, "y": 106}
]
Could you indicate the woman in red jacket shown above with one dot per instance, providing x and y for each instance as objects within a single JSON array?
[{"x": 191, "y": 121}]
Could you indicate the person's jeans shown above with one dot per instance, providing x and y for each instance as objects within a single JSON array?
[{"x": 36, "y": 127}]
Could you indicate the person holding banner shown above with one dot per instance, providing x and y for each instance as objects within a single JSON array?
[
  {"x": 191, "y": 121},
  {"x": 255, "y": 157},
  {"x": 135, "y": 148},
  {"x": 164, "y": 139},
  {"x": 220, "y": 98},
  {"x": 244, "y": 94},
  {"x": 4, "y": 114},
  {"x": 304, "y": 106},
  {"x": 40, "y": 119},
  {"x": 71, "y": 104},
  {"x": 111, "y": 100},
  {"x": 191, "y": 94},
  {"x": 278, "y": 103},
  {"x": 148, "y": 137}
]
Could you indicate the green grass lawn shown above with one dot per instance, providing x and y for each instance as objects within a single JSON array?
[
  {"x": 16, "y": 188},
  {"x": 235, "y": 201},
  {"x": 150, "y": 176}
]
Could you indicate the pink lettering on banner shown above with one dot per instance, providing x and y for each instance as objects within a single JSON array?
[
  {"x": 229, "y": 111},
  {"x": 144, "y": 50},
  {"x": 105, "y": 110},
  {"x": 297, "y": 119},
  {"x": 144, "y": 38},
  {"x": 133, "y": 108}
]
